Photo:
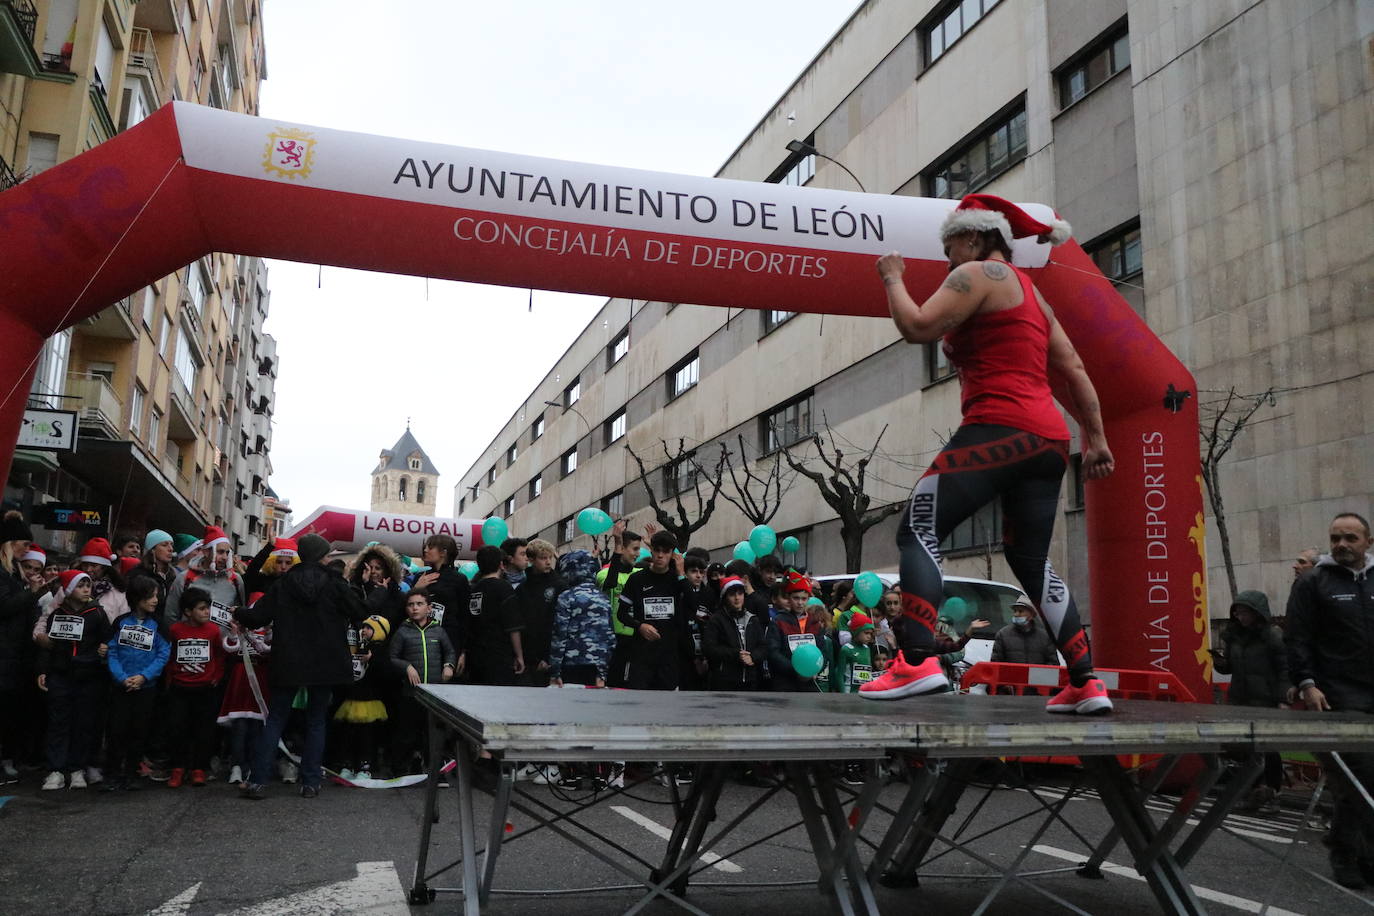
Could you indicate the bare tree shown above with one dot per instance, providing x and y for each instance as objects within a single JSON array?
[
  {"x": 679, "y": 521},
  {"x": 1218, "y": 435},
  {"x": 757, "y": 494},
  {"x": 842, "y": 487}
]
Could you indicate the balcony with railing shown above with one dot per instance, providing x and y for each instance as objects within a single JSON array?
[
  {"x": 101, "y": 412},
  {"x": 18, "y": 25},
  {"x": 144, "y": 63},
  {"x": 8, "y": 178}
]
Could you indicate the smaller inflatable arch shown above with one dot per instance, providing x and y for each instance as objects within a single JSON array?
[{"x": 190, "y": 180}]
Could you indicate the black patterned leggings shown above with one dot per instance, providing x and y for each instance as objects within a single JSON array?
[{"x": 979, "y": 464}]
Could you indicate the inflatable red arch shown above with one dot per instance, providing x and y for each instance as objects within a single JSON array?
[{"x": 191, "y": 180}]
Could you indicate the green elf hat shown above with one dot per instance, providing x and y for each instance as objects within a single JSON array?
[{"x": 184, "y": 543}]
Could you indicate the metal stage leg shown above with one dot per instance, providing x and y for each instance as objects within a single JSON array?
[
  {"x": 1093, "y": 867},
  {"x": 420, "y": 894},
  {"x": 497, "y": 828},
  {"x": 800, "y": 778},
  {"x": 930, "y": 820},
  {"x": 918, "y": 790},
  {"x": 1221, "y": 806},
  {"x": 693, "y": 816},
  {"x": 845, "y": 853},
  {"x": 467, "y": 829},
  {"x": 1161, "y": 871},
  {"x": 1185, "y": 807}
]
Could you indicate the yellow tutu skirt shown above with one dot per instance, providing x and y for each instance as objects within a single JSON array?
[{"x": 361, "y": 712}]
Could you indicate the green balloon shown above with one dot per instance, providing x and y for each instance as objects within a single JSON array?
[
  {"x": 955, "y": 608},
  {"x": 868, "y": 588},
  {"x": 763, "y": 539},
  {"x": 745, "y": 552},
  {"x": 807, "y": 660},
  {"x": 469, "y": 569},
  {"x": 790, "y": 545},
  {"x": 593, "y": 521},
  {"x": 644, "y": 553},
  {"x": 495, "y": 532}
]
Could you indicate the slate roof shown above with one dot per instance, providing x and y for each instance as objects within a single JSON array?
[{"x": 396, "y": 457}]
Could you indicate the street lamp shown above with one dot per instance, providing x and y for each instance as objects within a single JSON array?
[
  {"x": 803, "y": 148},
  {"x": 574, "y": 410}
]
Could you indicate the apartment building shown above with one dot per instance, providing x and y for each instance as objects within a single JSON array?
[
  {"x": 173, "y": 385},
  {"x": 1213, "y": 158}
]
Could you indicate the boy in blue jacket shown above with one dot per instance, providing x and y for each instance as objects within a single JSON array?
[{"x": 137, "y": 653}]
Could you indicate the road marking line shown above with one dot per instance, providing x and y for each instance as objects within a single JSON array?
[
  {"x": 664, "y": 833},
  {"x": 1240, "y": 903},
  {"x": 1252, "y": 830}
]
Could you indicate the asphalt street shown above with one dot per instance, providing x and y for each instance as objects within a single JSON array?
[{"x": 205, "y": 851}]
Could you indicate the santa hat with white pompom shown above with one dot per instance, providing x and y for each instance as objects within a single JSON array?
[{"x": 987, "y": 213}]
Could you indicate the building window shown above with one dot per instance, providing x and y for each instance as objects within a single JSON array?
[
  {"x": 938, "y": 361},
  {"x": 950, "y": 22},
  {"x": 195, "y": 287},
  {"x": 536, "y": 486},
  {"x": 981, "y": 531},
  {"x": 136, "y": 410},
  {"x": 1117, "y": 254},
  {"x": 573, "y": 393},
  {"x": 617, "y": 348},
  {"x": 614, "y": 505},
  {"x": 509, "y": 505},
  {"x": 774, "y": 317},
  {"x": 537, "y": 428},
  {"x": 405, "y": 485},
  {"x": 419, "y": 491},
  {"x": 568, "y": 464},
  {"x": 679, "y": 476},
  {"x": 512, "y": 453},
  {"x": 462, "y": 506},
  {"x": 787, "y": 424},
  {"x": 800, "y": 172},
  {"x": 186, "y": 363},
  {"x": 491, "y": 475},
  {"x": 154, "y": 427},
  {"x": 683, "y": 376},
  {"x": 992, "y": 150},
  {"x": 1099, "y": 63},
  {"x": 415, "y": 464},
  {"x": 615, "y": 427},
  {"x": 567, "y": 530}
]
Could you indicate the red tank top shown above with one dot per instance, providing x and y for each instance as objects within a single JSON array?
[{"x": 1003, "y": 363}]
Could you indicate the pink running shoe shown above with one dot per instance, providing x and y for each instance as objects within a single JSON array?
[
  {"x": 1087, "y": 700},
  {"x": 903, "y": 680}
]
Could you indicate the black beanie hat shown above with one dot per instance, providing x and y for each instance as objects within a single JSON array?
[
  {"x": 312, "y": 548},
  {"x": 14, "y": 528}
]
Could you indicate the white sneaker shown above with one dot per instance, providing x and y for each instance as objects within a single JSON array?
[
  {"x": 363, "y": 772},
  {"x": 289, "y": 771},
  {"x": 617, "y": 780},
  {"x": 78, "y": 780},
  {"x": 547, "y": 776},
  {"x": 8, "y": 772},
  {"x": 93, "y": 776},
  {"x": 346, "y": 773},
  {"x": 55, "y": 780},
  {"x": 527, "y": 772},
  {"x": 236, "y": 774}
]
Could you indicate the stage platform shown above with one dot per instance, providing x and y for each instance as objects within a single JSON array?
[{"x": 947, "y": 733}]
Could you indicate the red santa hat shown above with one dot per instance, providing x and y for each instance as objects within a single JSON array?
[
  {"x": 730, "y": 582},
  {"x": 988, "y": 212},
  {"x": 253, "y": 599},
  {"x": 96, "y": 550},
  {"x": 71, "y": 578},
  {"x": 285, "y": 547},
  {"x": 36, "y": 553},
  {"x": 128, "y": 565},
  {"x": 214, "y": 536},
  {"x": 796, "y": 582}
]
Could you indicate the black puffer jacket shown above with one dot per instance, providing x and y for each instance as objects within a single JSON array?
[
  {"x": 384, "y": 600},
  {"x": 18, "y": 611},
  {"x": 1330, "y": 633},
  {"x": 309, "y": 609},
  {"x": 1255, "y": 656}
]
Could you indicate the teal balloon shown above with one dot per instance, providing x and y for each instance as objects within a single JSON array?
[
  {"x": 593, "y": 521},
  {"x": 644, "y": 553},
  {"x": 807, "y": 660},
  {"x": 868, "y": 588},
  {"x": 955, "y": 608},
  {"x": 763, "y": 539},
  {"x": 469, "y": 569},
  {"x": 495, "y": 532},
  {"x": 813, "y": 601},
  {"x": 790, "y": 545},
  {"x": 373, "y": 543},
  {"x": 745, "y": 552}
]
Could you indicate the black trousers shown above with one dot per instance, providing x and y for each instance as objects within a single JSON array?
[
  {"x": 979, "y": 464},
  {"x": 130, "y": 724},
  {"x": 192, "y": 712},
  {"x": 75, "y": 716}
]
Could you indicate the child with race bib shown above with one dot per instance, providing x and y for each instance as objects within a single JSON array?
[
  {"x": 193, "y": 676},
  {"x": 240, "y": 710},
  {"x": 72, "y": 671},
  {"x": 137, "y": 652}
]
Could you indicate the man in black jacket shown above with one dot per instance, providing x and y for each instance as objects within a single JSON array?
[
  {"x": 534, "y": 606},
  {"x": 449, "y": 590},
  {"x": 653, "y": 606},
  {"x": 1330, "y": 641},
  {"x": 310, "y": 610}
]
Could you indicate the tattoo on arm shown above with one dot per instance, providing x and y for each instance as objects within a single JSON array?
[
  {"x": 958, "y": 282},
  {"x": 994, "y": 270}
]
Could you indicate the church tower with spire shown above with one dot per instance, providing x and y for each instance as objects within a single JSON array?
[{"x": 405, "y": 481}]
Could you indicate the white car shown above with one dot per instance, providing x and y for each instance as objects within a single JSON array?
[{"x": 976, "y": 598}]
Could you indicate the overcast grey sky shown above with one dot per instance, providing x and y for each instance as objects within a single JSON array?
[{"x": 673, "y": 88}]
